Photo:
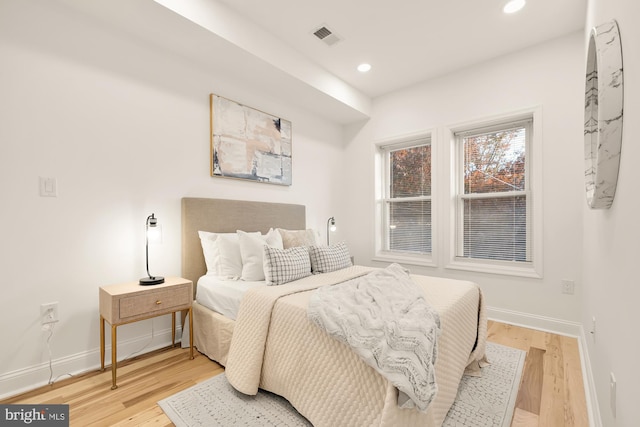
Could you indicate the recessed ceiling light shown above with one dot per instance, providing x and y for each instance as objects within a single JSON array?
[
  {"x": 363, "y": 68},
  {"x": 513, "y": 6}
]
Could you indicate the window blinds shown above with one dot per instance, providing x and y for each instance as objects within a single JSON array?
[
  {"x": 408, "y": 201},
  {"x": 493, "y": 204}
]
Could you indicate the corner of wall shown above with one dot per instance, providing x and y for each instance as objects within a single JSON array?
[{"x": 593, "y": 409}]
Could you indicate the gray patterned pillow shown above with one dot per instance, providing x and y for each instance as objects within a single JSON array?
[
  {"x": 286, "y": 265},
  {"x": 325, "y": 259}
]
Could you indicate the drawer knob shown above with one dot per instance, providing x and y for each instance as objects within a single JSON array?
[{"x": 158, "y": 302}]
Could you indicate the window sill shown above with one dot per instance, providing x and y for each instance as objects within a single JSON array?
[
  {"x": 419, "y": 260},
  {"x": 528, "y": 270}
]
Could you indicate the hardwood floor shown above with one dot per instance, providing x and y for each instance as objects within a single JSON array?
[{"x": 551, "y": 393}]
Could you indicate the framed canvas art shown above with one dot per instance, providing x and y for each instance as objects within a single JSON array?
[{"x": 249, "y": 144}]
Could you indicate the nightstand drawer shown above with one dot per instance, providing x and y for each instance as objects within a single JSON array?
[{"x": 151, "y": 302}]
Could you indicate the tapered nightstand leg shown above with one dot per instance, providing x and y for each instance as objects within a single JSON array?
[
  {"x": 101, "y": 344},
  {"x": 191, "y": 332},
  {"x": 173, "y": 329},
  {"x": 114, "y": 357}
]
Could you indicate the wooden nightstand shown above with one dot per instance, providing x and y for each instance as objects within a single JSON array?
[{"x": 130, "y": 302}]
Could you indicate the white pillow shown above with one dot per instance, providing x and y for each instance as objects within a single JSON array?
[
  {"x": 285, "y": 265},
  {"x": 293, "y": 238},
  {"x": 210, "y": 250},
  {"x": 222, "y": 254},
  {"x": 252, "y": 252}
]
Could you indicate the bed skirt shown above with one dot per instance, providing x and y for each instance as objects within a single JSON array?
[{"x": 212, "y": 333}]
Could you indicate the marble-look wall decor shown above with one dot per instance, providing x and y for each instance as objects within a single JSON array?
[{"x": 603, "y": 114}]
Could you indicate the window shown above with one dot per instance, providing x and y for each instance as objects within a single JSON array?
[
  {"x": 493, "y": 197},
  {"x": 463, "y": 198},
  {"x": 405, "y": 203}
]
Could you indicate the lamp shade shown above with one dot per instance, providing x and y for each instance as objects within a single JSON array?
[{"x": 331, "y": 226}]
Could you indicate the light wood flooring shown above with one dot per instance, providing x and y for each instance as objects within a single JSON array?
[{"x": 551, "y": 393}]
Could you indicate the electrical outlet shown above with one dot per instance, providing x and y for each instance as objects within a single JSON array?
[
  {"x": 48, "y": 187},
  {"x": 593, "y": 327},
  {"x": 49, "y": 313},
  {"x": 568, "y": 286}
]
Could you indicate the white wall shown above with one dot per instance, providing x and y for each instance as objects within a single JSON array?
[
  {"x": 123, "y": 126},
  {"x": 548, "y": 75},
  {"x": 610, "y": 271}
]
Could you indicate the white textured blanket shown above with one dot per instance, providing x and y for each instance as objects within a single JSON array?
[{"x": 384, "y": 317}]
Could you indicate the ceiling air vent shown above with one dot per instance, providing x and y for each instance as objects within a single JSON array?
[{"x": 326, "y": 35}]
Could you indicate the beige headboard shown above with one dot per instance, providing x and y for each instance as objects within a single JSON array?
[{"x": 227, "y": 216}]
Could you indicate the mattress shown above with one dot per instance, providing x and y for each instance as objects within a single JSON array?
[{"x": 222, "y": 295}]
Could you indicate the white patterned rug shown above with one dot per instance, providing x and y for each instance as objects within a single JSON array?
[{"x": 486, "y": 401}]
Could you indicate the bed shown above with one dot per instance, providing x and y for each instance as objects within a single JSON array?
[{"x": 276, "y": 348}]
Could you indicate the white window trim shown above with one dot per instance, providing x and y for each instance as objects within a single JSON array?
[
  {"x": 534, "y": 268},
  {"x": 381, "y": 169},
  {"x": 443, "y": 185}
]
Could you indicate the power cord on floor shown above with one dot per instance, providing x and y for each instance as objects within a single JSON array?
[
  {"x": 51, "y": 379},
  {"x": 50, "y": 328}
]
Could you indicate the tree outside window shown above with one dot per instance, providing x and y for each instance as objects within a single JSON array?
[
  {"x": 493, "y": 201},
  {"x": 408, "y": 225}
]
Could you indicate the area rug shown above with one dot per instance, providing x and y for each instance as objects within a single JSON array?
[{"x": 486, "y": 401}]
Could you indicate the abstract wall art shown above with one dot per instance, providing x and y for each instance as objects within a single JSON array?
[{"x": 249, "y": 144}]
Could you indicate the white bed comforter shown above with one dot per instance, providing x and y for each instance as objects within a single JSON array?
[
  {"x": 275, "y": 347},
  {"x": 384, "y": 317}
]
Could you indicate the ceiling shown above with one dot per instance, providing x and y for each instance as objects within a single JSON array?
[
  {"x": 270, "y": 46},
  {"x": 408, "y": 41}
]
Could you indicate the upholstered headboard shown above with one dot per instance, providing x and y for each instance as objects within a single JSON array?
[{"x": 227, "y": 216}]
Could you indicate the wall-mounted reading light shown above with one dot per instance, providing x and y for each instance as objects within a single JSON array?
[{"x": 331, "y": 226}]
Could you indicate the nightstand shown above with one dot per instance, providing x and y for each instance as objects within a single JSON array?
[{"x": 130, "y": 302}]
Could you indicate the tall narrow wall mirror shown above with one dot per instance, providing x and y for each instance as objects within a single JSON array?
[{"x": 603, "y": 114}]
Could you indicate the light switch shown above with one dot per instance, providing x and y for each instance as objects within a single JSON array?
[{"x": 48, "y": 187}]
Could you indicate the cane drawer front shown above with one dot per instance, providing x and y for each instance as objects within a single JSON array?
[{"x": 155, "y": 302}]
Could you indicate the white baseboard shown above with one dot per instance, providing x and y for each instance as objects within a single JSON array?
[
  {"x": 560, "y": 327},
  {"x": 591, "y": 396},
  {"x": 534, "y": 321},
  {"x": 32, "y": 377}
]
